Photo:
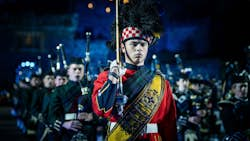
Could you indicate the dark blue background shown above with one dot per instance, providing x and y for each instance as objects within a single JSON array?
[{"x": 205, "y": 33}]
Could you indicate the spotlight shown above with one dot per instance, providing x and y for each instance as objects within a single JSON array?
[
  {"x": 90, "y": 5},
  {"x": 107, "y": 9},
  {"x": 125, "y": 1}
]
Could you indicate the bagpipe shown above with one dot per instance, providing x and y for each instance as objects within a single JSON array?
[
  {"x": 60, "y": 59},
  {"x": 84, "y": 99},
  {"x": 60, "y": 52},
  {"x": 85, "y": 90},
  {"x": 55, "y": 66}
]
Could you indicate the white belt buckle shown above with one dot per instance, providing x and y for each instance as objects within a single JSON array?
[
  {"x": 149, "y": 128},
  {"x": 70, "y": 116}
]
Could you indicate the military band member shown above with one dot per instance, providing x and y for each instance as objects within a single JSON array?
[
  {"x": 45, "y": 129},
  {"x": 235, "y": 110},
  {"x": 150, "y": 112},
  {"x": 190, "y": 108},
  {"x": 38, "y": 112},
  {"x": 23, "y": 95},
  {"x": 64, "y": 113},
  {"x": 61, "y": 78},
  {"x": 183, "y": 105}
]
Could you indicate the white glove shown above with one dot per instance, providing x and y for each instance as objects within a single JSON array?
[
  {"x": 115, "y": 71},
  {"x": 85, "y": 116},
  {"x": 74, "y": 125},
  {"x": 194, "y": 119},
  {"x": 114, "y": 67}
]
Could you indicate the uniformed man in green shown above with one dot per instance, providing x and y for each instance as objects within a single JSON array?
[
  {"x": 70, "y": 110},
  {"x": 36, "y": 125},
  {"x": 45, "y": 128}
]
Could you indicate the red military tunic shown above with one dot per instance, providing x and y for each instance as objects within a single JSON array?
[{"x": 165, "y": 117}]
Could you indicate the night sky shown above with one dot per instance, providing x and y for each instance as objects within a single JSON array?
[{"x": 207, "y": 29}]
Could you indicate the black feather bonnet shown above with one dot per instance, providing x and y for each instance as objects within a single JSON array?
[{"x": 138, "y": 19}]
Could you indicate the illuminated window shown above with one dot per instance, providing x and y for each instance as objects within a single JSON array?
[{"x": 29, "y": 40}]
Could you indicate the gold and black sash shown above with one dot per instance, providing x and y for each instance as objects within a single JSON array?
[
  {"x": 134, "y": 84},
  {"x": 139, "y": 112}
]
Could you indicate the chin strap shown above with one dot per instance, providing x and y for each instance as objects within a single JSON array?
[{"x": 126, "y": 53}]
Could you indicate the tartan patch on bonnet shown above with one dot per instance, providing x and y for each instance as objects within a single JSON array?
[{"x": 134, "y": 32}]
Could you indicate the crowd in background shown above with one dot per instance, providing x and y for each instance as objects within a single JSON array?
[{"x": 208, "y": 110}]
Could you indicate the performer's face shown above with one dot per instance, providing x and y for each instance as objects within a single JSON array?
[
  {"x": 60, "y": 80},
  {"x": 136, "y": 50},
  {"x": 182, "y": 84},
  {"x": 35, "y": 82},
  {"x": 48, "y": 81},
  {"x": 240, "y": 89},
  {"x": 76, "y": 72}
]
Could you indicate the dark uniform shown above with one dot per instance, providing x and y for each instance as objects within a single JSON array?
[
  {"x": 193, "y": 113},
  {"x": 38, "y": 113},
  {"x": 45, "y": 128},
  {"x": 37, "y": 100},
  {"x": 64, "y": 107},
  {"x": 235, "y": 111},
  {"x": 22, "y": 106}
]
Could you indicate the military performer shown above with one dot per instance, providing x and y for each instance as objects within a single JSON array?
[
  {"x": 235, "y": 109},
  {"x": 23, "y": 97},
  {"x": 37, "y": 114},
  {"x": 64, "y": 112},
  {"x": 146, "y": 109},
  {"x": 190, "y": 107},
  {"x": 183, "y": 104},
  {"x": 61, "y": 78},
  {"x": 45, "y": 129}
]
